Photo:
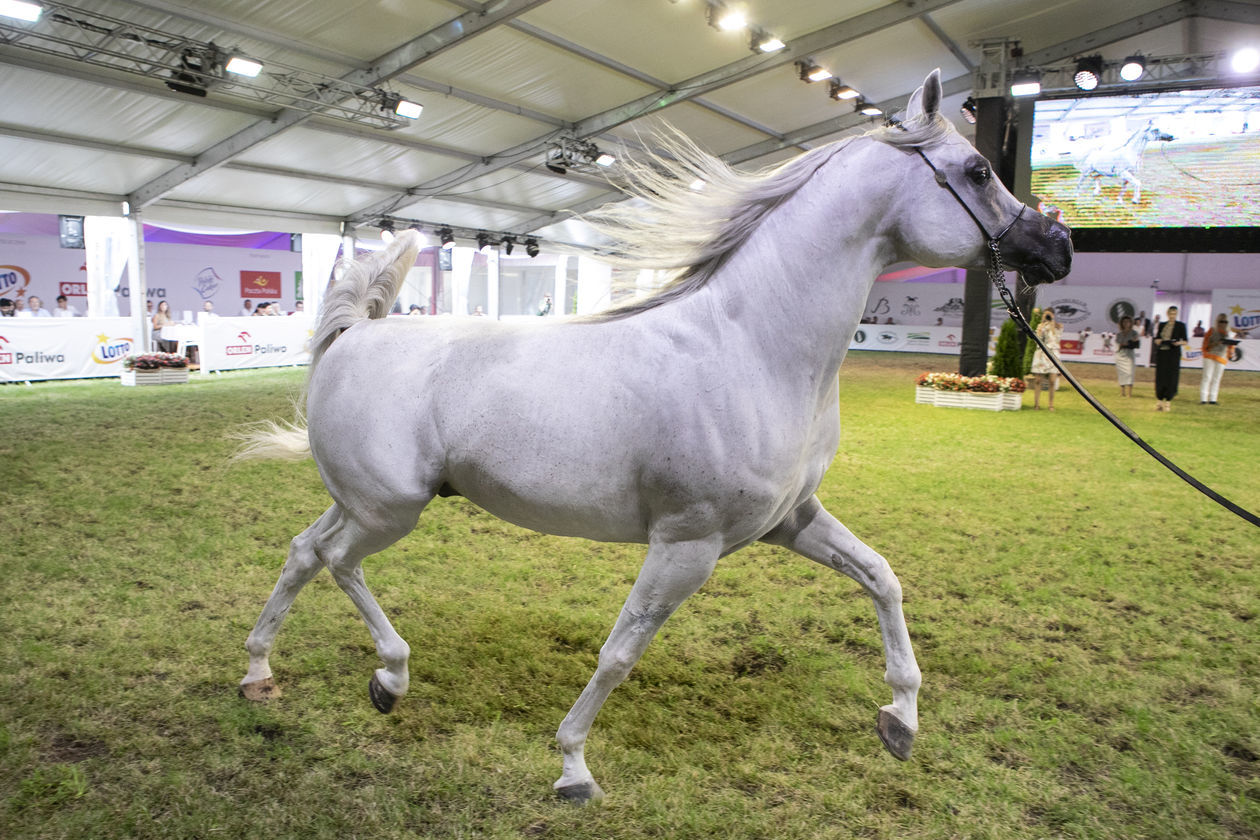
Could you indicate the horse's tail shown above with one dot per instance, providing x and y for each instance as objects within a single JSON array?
[{"x": 359, "y": 290}]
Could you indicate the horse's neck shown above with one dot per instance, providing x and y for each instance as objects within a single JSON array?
[{"x": 799, "y": 284}]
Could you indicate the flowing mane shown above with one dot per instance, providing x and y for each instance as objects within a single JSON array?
[{"x": 670, "y": 224}]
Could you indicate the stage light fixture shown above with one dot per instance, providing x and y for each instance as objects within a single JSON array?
[
  {"x": 1026, "y": 82},
  {"x": 605, "y": 159},
  {"x": 968, "y": 110},
  {"x": 764, "y": 42},
  {"x": 509, "y": 243},
  {"x": 1133, "y": 68},
  {"x": 21, "y": 10},
  {"x": 387, "y": 230},
  {"x": 390, "y": 101},
  {"x": 446, "y": 236},
  {"x": 197, "y": 67},
  {"x": 1088, "y": 72},
  {"x": 866, "y": 109},
  {"x": 811, "y": 72},
  {"x": 839, "y": 91},
  {"x": 1245, "y": 60},
  {"x": 531, "y": 246},
  {"x": 723, "y": 17},
  {"x": 484, "y": 242},
  {"x": 242, "y": 66}
]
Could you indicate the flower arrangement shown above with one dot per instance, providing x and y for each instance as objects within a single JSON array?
[
  {"x": 987, "y": 384},
  {"x": 154, "y": 361}
]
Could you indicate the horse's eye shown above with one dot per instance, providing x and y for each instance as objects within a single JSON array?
[{"x": 981, "y": 174}]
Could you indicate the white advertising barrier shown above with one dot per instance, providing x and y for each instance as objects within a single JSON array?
[
  {"x": 1095, "y": 348},
  {"x": 941, "y": 304},
  {"x": 233, "y": 343},
  {"x": 1241, "y": 306},
  {"x": 63, "y": 348}
]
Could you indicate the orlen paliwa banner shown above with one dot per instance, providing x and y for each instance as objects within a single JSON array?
[{"x": 230, "y": 343}]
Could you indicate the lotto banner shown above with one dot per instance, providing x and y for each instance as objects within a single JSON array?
[
  {"x": 231, "y": 343},
  {"x": 1241, "y": 306},
  {"x": 62, "y": 348}
]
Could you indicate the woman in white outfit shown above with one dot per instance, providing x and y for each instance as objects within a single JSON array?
[
  {"x": 1216, "y": 353},
  {"x": 1127, "y": 341}
]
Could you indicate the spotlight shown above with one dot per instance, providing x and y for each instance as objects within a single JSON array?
[
  {"x": 1026, "y": 82},
  {"x": 242, "y": 66},
  {"x": 1133, "y": 68},
  {"x": 1088, "y": 72},
  {"x": 390, "y": 101},
  {"x": 555, "y": 161},
  {"x": 21, "y": 10},
  {"x": 509, "y": 242},
  {"x": 446, "y": 236},
  {"x": 196, "y": 68},
  {"x": 531, "y": 246},
  {"x": 811, "y": 72},
  {"x": 1245, "y": 60},
  {"x": 866, "y": 109},
  {"x": 968, "y": 110},
  {"x": 725, "y": 19},
  {"x": 764, "y": 42},
  {"x": 839, "y": 91},
  {"x": 387, "y": 230},
  {"x": 605, "y": 159}
]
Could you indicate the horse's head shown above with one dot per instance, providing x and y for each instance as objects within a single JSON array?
[
  {"x": 952, "y": 205},
  {"x": 1153, "y": 134}
]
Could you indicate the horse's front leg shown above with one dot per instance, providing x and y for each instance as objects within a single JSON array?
[
  {"x": 814, "y": 533},
  {"x": 1137, "y": 187},
  {"x": 299, "y": 568},
  {"x": 671, "y": 573}
]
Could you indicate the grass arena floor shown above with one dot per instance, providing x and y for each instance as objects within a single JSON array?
[{"x": 1088, "y": 627}]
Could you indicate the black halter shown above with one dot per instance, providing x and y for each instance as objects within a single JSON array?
[{"x": 997, "y": 277}]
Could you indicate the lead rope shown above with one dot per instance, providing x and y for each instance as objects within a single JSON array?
[{"x": 996, "y": 276}]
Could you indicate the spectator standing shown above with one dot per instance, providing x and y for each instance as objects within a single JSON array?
[
  {"x": 1217, "y": 352},
  {"x": 1198, "y": 330},
  {"x": 246, "y": 308},
  {"x": 1127, "y": 343},
  {"x": 1170, "y": 337},
  {"x": 162, "y": 318},
  {"x": 1043, "y": 370}
]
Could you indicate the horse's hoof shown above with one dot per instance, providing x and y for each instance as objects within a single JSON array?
[
  {"x": 259, "y": 690},
  {"x": 897, "y": 737},
  {"x": 581, "y": 794},
  {"x": 382, "y": 698}
]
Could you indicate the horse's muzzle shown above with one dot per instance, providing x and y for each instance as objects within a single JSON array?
[{"x": 1039, "y": 248}]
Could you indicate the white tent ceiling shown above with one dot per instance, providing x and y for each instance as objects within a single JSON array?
[{"x": 499, "y": 82}]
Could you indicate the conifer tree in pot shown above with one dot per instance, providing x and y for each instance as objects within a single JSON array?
[{"x": 1007, "y": 360}]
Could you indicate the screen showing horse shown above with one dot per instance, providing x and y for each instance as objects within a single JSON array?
[{"x": 1167, "y": 159}]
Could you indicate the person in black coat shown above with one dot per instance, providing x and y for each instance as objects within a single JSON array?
[{"x": 1170, "y": 337}]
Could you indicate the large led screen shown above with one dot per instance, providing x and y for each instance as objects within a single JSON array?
[{"x": 1169, "y": 159}]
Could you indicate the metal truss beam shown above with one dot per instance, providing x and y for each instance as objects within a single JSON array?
[
  {"x": 382, "y": 69},
  {"x": 835, "y": 35}
]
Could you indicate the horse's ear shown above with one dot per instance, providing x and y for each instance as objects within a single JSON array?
[
  {"x": 932, "y": 93},
  {"x": 926, "y": 100}
]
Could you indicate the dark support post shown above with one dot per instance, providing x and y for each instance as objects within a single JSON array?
[{"x": 977, "y": 291}]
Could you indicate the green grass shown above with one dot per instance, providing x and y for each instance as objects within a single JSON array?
[{"x": 1086, "y": 624}]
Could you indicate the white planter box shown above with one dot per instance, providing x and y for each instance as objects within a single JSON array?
[
  {"x": 161, "y": 376},
  {"x": 1002, "y": 401}
]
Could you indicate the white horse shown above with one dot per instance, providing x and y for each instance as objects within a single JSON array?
[
  {"x": 697, "y": 421},
  {"x": 1123, "y": 162}
]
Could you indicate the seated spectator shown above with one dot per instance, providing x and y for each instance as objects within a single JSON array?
[{"x": 64, "y": 309}]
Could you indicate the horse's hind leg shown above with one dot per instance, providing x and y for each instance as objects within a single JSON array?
[
  {"x": 342, "y": 548},
  {"x": 671, "y": 573},
  {"x": 301, "y": 565},
  {"x": 814, "y": 533}
]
